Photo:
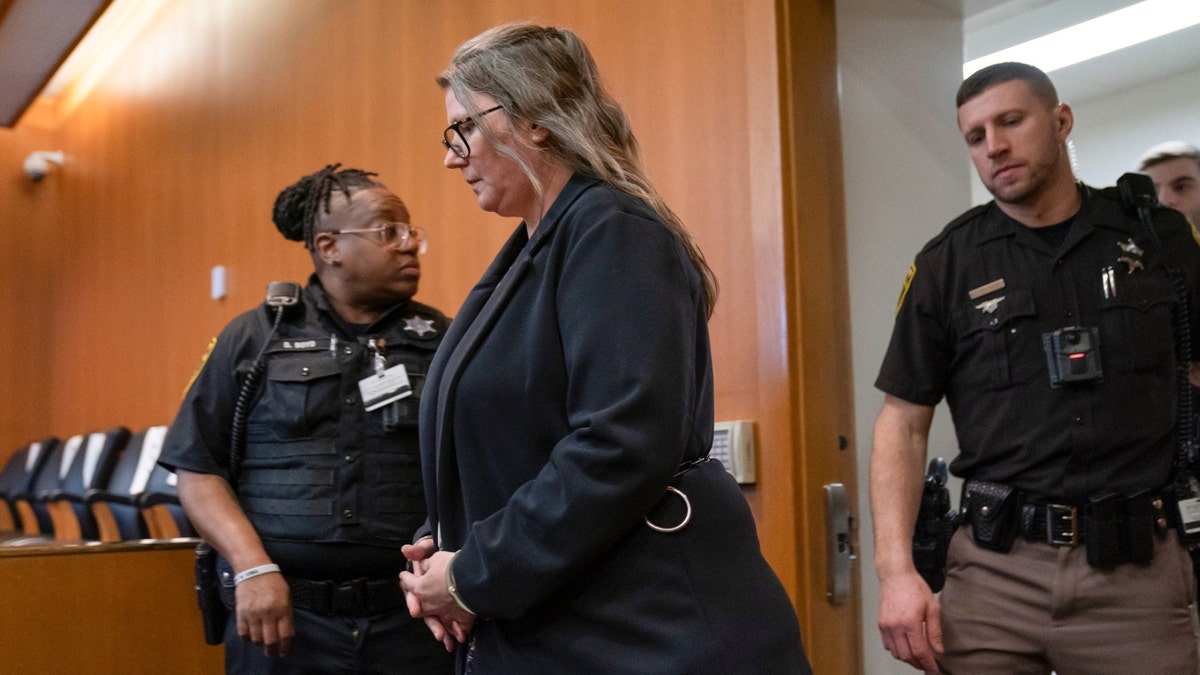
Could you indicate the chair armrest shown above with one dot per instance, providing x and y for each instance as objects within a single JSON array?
[
  {"x": 62, "y": 517},
  {"x": 29, "y": 521},
  {"x": 160, "y": 522},
  {"x": 95, "y": 495},
  {"x": 106, "y": 524}
]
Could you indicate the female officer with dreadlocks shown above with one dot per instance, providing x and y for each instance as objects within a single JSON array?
[{"x": 296, "y": 445}]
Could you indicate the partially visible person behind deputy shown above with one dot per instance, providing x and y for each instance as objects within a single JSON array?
[
  {"x": 1174, "y": 167},
  {"x": 1044, "y": 318},
  {"x": 328, "y": 486},
  {"x": 579, "y": 526}
]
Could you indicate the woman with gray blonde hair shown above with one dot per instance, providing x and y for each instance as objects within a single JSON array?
[{"x": 577, "y": 522}]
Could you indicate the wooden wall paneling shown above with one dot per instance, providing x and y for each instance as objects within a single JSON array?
[
  {"x": 186, "y": 163},
  {"x": 27, "y": 264},
  {"x": 177, "y": 154}
]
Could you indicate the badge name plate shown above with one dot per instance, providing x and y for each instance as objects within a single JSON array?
[
  {"x": 1189, "y": 515},
  {"x": 380, "y": 390}
]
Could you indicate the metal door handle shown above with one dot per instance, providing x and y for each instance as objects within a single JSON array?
[{"x": 839, "y": 544}]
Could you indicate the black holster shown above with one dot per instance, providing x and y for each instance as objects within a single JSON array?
[
  {"x": 213, "y": 613},
  {"x": 934, "y": 528}
]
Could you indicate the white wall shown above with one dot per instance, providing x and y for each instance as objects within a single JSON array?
[
  {"x": 900, "y": 63},
  {"x": 1112, "y": 132}
]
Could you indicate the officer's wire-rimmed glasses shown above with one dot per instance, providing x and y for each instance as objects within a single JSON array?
[
  {"x": 455, "y": 136},
  {"x": 392, "y": 233}
]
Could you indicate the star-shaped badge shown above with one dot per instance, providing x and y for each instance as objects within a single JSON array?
[
  {"x": 419, "y": 326},
  {"x": 1129, "y": 247},
  {"x": 1133, "y": 263}
]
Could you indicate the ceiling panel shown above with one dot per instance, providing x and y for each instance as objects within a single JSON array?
[
  {"x": 35, "y": 37},
  {"x": 989, "y": 25}
]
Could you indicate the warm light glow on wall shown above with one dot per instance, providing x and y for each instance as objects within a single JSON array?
[
  {"x": 1097, "y": 37},
  {"x": 123, "y": 21}
]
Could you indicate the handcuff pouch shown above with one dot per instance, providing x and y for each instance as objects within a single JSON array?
[{"x": 994, "y": 511}]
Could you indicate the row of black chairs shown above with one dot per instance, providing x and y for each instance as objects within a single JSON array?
[{"x": 104, "y": 486}]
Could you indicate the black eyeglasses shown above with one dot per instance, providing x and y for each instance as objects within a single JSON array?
[{"x": 455, "y": 135}]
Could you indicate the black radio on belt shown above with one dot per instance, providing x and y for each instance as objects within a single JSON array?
[{"x": 1073, "y": 356}]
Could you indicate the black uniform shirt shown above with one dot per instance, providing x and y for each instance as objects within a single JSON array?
[
  {"x": 970, "y": 327},
  {"x": 317, "y": 469}
]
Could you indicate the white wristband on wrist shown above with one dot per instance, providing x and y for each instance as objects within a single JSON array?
[{"x": 254, "y": 572}]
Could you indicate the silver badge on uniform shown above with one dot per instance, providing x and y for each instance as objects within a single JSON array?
[
  {"x": 1132, "y": 263},
  {"x": 1129, "y": 247},
  {"x": 1132, "y": 254},
  {"x": 419, "y": 327}
]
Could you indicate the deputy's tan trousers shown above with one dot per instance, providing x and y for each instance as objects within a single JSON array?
[{"x": 1042, "y": 609}]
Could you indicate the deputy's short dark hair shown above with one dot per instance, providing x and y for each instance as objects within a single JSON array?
[{"x": 999, "y": 73}]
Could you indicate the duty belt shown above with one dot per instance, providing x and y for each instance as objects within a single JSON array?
[
  {"x": 1067, "y": 524},
  {"x": 1064, "y": 524},
  {"x": 1055, "y": 524},
  {"x": 361, "y": 597}
]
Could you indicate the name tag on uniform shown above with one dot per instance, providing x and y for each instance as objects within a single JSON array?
[
  {"x": 380, "y": 390},
  {"x": 1189, "y": 512},
  {"x": 990, "y": 287}
]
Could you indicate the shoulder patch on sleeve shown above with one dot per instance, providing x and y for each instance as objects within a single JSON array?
[
  {"x": 912, "y": 272},
  {"x": 203, "y": 360}
]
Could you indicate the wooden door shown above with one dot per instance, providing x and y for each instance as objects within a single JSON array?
[{"x": 816, "y": 295}]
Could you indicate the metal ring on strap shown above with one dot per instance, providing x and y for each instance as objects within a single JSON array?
[{"x": 687, "y": 518}]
